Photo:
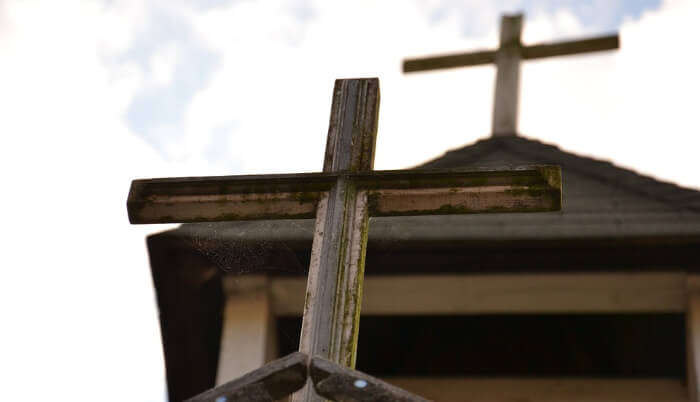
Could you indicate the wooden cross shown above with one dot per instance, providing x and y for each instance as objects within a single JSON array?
[
  {"x": 341, "y": 198},
  {"x": 507, "y": 59}
]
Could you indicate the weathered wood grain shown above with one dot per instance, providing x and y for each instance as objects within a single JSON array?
[
  {"x": 352, "y": 130},
  {"x": 450, "y": 201},
  {"x": 297, "y": 195},
  {"x": 269, "y": 383},
  {"x": 334, "y": 291},
  {"x": 435, "y": 192},
  {"x": 344, "y": 385},
  {"x": 226, "y": 198}
]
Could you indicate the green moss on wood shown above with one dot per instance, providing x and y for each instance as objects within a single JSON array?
[
  {"x": 552, "y": 175},
  {"x": 306, "y": 197},
  {"x": 532, "y": 191}
]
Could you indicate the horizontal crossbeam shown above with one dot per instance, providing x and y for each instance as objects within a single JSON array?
[
  {"x": 399, "y": 192},
  {"x": 528, "y": 52},
  {"x": 568, "y": 48},
  {"x": 449, "y": 61},
  {"x": 491, "y": 293}
]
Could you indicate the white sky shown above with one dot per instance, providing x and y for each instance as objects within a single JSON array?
[{"x": 95, "y": 94}]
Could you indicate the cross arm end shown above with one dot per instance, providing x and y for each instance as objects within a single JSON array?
[
  {"x": 461, "y": 191},
  {"x": 226, "y": 198},
  {"x": 449, "y": 61},
  {"x": 586, "y": 45}
]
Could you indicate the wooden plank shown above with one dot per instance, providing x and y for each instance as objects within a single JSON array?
[
  {"x": 273, "y": 381},
  {"x": 344, "y": 385},
  {"x": 536, "y": 51},
  {"x": 449, "y": 61},
  {"x": 449, "y": 201},
  {"x": 221, "y": 198},
  {"x": 526, "y": 175},
  {"x": 546, "y": 389},
  {"x": 505, "y": 294},
  {"x": 692, "y": 326},
  {"x": 248, "y": 335},
  {"x": 597, "y": 44},
  {"x": 505, "y": 101},
  {"x": 523, "y": 189},
  {"x": 352, "y": 130},
  {"x": 334, "y": 291},
  {"x": 296, "y": 195},
  {"x": 530, "y": 52}
]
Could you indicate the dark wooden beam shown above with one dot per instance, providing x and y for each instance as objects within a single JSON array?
[
  {"x": 523, "y": 189},
  {"x": 391, "y": 192},
  {"x": 218, "y": 198},
  {"x": 598, "y": 44},
  {"x": 352, "y": 129},
  {"x": 341, "y": 384},
  {"x": 449, "y": 61},
  {"x": 269, "y": 383},
  {"x": 536, "y": 51}
]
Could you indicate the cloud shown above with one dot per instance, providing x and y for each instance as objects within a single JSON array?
[{"x": 75, "y": 294}]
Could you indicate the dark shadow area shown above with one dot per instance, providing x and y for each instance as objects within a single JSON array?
[{"x": 599, "y": 345}]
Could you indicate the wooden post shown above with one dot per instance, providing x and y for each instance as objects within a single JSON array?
[
  {"x": 505, "y": 100},
  {"x": 334, "y": 289},
  {"x": 248, "y": 335},
  {"x": 692, "y": 325}
]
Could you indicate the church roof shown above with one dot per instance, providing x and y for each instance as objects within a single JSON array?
[
  {"x": 495, "y": 151},
  {"x": 600, "y": 200}
]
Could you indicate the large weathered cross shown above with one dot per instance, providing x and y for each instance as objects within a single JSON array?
[
  {"x": 341, "y": 198},
  {"x": 507, "y": 59}
]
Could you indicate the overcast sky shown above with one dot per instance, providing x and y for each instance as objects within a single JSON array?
[{"x": 96, "y": 93}]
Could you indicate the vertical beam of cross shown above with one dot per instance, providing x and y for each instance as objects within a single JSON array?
[
  {"x": 507, "y": 59},
  {"x": 505, "y": 102},
  {"x": 334, "y": 290}
]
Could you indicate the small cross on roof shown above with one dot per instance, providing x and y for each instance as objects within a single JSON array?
[{"x": 507, "y": 59}]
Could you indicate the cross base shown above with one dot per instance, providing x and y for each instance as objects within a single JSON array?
[{"x": 284, "y": 376}]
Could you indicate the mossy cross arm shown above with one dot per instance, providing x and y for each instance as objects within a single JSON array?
[{"x": 391, "y": 193}]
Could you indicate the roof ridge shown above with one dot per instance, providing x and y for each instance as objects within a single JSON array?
[
  {"x": 629, "y": 179},
  {"x": 480, "y": 148},
  {"x": 678, "y": 201}
]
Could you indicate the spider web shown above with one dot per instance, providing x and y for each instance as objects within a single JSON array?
[{"x": 222, "y": 244}]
